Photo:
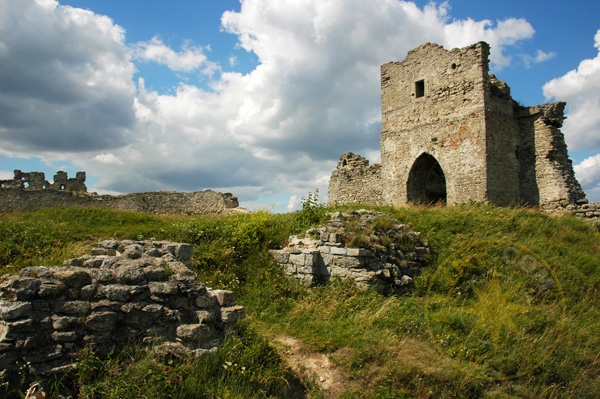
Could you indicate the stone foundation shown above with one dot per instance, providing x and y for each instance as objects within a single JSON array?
[
  {"x": 124, "y": 291},
  {"x": 386, "y": 258}
]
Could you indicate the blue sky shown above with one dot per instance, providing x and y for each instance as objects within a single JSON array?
[{"x": 259, "y": 99}]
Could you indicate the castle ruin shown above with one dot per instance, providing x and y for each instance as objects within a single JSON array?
[
  {"x": 30, "y": 191},
  {"x": 452, "y": 133},
  {"x": 37, "y": 181}
]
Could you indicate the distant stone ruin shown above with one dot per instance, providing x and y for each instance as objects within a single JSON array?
[
  {"x": 452, "y": 133},
  {"x": 30, "y": 191},
  {"x": 37, "y": 181}
]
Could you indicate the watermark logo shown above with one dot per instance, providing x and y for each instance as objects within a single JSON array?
[{"x": 495, "y": 309}]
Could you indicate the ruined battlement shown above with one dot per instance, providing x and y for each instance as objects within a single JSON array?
[
  {"x": 452, "y": 133},
  {"x": 37, "y": 181},
  {"x": 30, "y": 191}
]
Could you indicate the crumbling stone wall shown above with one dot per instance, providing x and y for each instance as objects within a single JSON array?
[
  {"x": 386, "y": 254},
  {"x": 30, "y": 191},
  {"x": 452, "y": 133},
  {"x": 125, "y": 290},
  {"x": 37, "y": 181},
  {"x": 549, "y": 181},
  {"x": 356, "y": 181},
  {"x": 445, "y": 122}
]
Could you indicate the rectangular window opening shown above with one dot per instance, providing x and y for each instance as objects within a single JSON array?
[{"x": 419, "y": 88}]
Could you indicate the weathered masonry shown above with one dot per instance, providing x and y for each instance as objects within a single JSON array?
[
  {"x": 124, "y": 291},
  {"x": 452, "y": 133},
  {"x": 37, "y": 181},
  {"x": 30, "y": 191}
]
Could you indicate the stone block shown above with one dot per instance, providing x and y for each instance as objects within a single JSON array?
[
  {"x": 20, "y": 326},
  {"x": 232, "y": 314},
  {"x": 72, "y": 276},
  {"x": 338, "y": 251},
  {"x": 98, "y": 251},
  {"x": 324, "y": 249},
  {"x": 347, "y": 262},
  {"x": 155, "y": 273},
  {"x": 280, "y": 256},
  {"x": 64, "y": 336},
  {"x": 206, "y": 301},
  {"x": 61, "y": 323},
  {"x": 88, "y": 292},
  {"x": 298, "y": 259},
  {"x": 101, "y": 321},
  {"x": 183, "y": 252},
  {"x": 357, "y": 252},
  {"x": 163, "y": 288},
  {"x": 224, "y": 297},
  {"x": 50, "y": 289},
  {"x": 106, "y": 305},
  {"x": 130, "y": 275},
  {"x": 114, "y": 292},
  {"x": 327, "y": 259},
  {"x": 193, "y": 332},
  {"x": 94, "y": 263},
  {"x": 14, "y": 310},
  {"x": 133, "y": 251},
  {"x": 206, "y": 316},
  {"x": 181, "y": 273},
  {"x": 341, "y": 272},
  {"x": 73, "y": 307},
  {"x": 312, "y": 258},
  {"x": 109, "y": 244},
  {"x": 334, "y": 238}
]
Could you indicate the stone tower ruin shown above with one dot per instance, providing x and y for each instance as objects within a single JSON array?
[{"x": 452, "y": 133}]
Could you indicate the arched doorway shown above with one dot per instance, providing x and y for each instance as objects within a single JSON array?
[{"x": 426, "y": 181}]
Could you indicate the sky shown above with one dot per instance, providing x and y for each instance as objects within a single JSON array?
[{"x": 258, "y": 97}]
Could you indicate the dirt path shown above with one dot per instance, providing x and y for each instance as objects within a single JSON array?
[{"x": 312, "y": 366}]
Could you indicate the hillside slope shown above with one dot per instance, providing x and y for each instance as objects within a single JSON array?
[{"x": 507, "y": 308}]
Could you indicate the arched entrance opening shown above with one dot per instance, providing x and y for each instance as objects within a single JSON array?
[{"x": 426, "y": 181}]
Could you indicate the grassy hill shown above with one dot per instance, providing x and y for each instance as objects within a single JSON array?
[{"x": 537, "y": 275}]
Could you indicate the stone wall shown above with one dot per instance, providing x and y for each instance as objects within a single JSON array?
[
  {"x": 355, "y": 181},
  {"x": 160, "y": 202},
  {"x": 445, "y": 122},
  {"x": 590, "y": 211},
  {"x": 550, "y": 182},
  {"x": 125, "y": 290},
  {"x": 366, "y": 246}
]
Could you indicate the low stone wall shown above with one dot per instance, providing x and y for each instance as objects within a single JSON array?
[
  {"x": 160, "y": 202},
  {"x": 125, "y": 290},
  {"x": 387, "y": 258},
  {"x": 589, "y": 211}
]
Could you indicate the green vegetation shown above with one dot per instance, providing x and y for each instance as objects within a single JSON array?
[{"x": 385, "y": 347}]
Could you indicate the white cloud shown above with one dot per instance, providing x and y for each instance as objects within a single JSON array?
[
  {"x": 279, "y": 128},
  {"x": 540, "y": 56},
  {"x": 108, "y": 158},
  {"x": 187, "y": 60},
  {"x": 506, "y": 33},
  {"x": 580, "y": 88},
  {"x": 293, "y": 204},
  {"x": 232, "y": 60},
  {"x": 588, "y": 174},
  {"x": 65, "y": 81},
  {"x": 6, "y": 175}
]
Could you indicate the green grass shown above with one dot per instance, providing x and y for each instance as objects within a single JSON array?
[{"x": 382, "y": 345}]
